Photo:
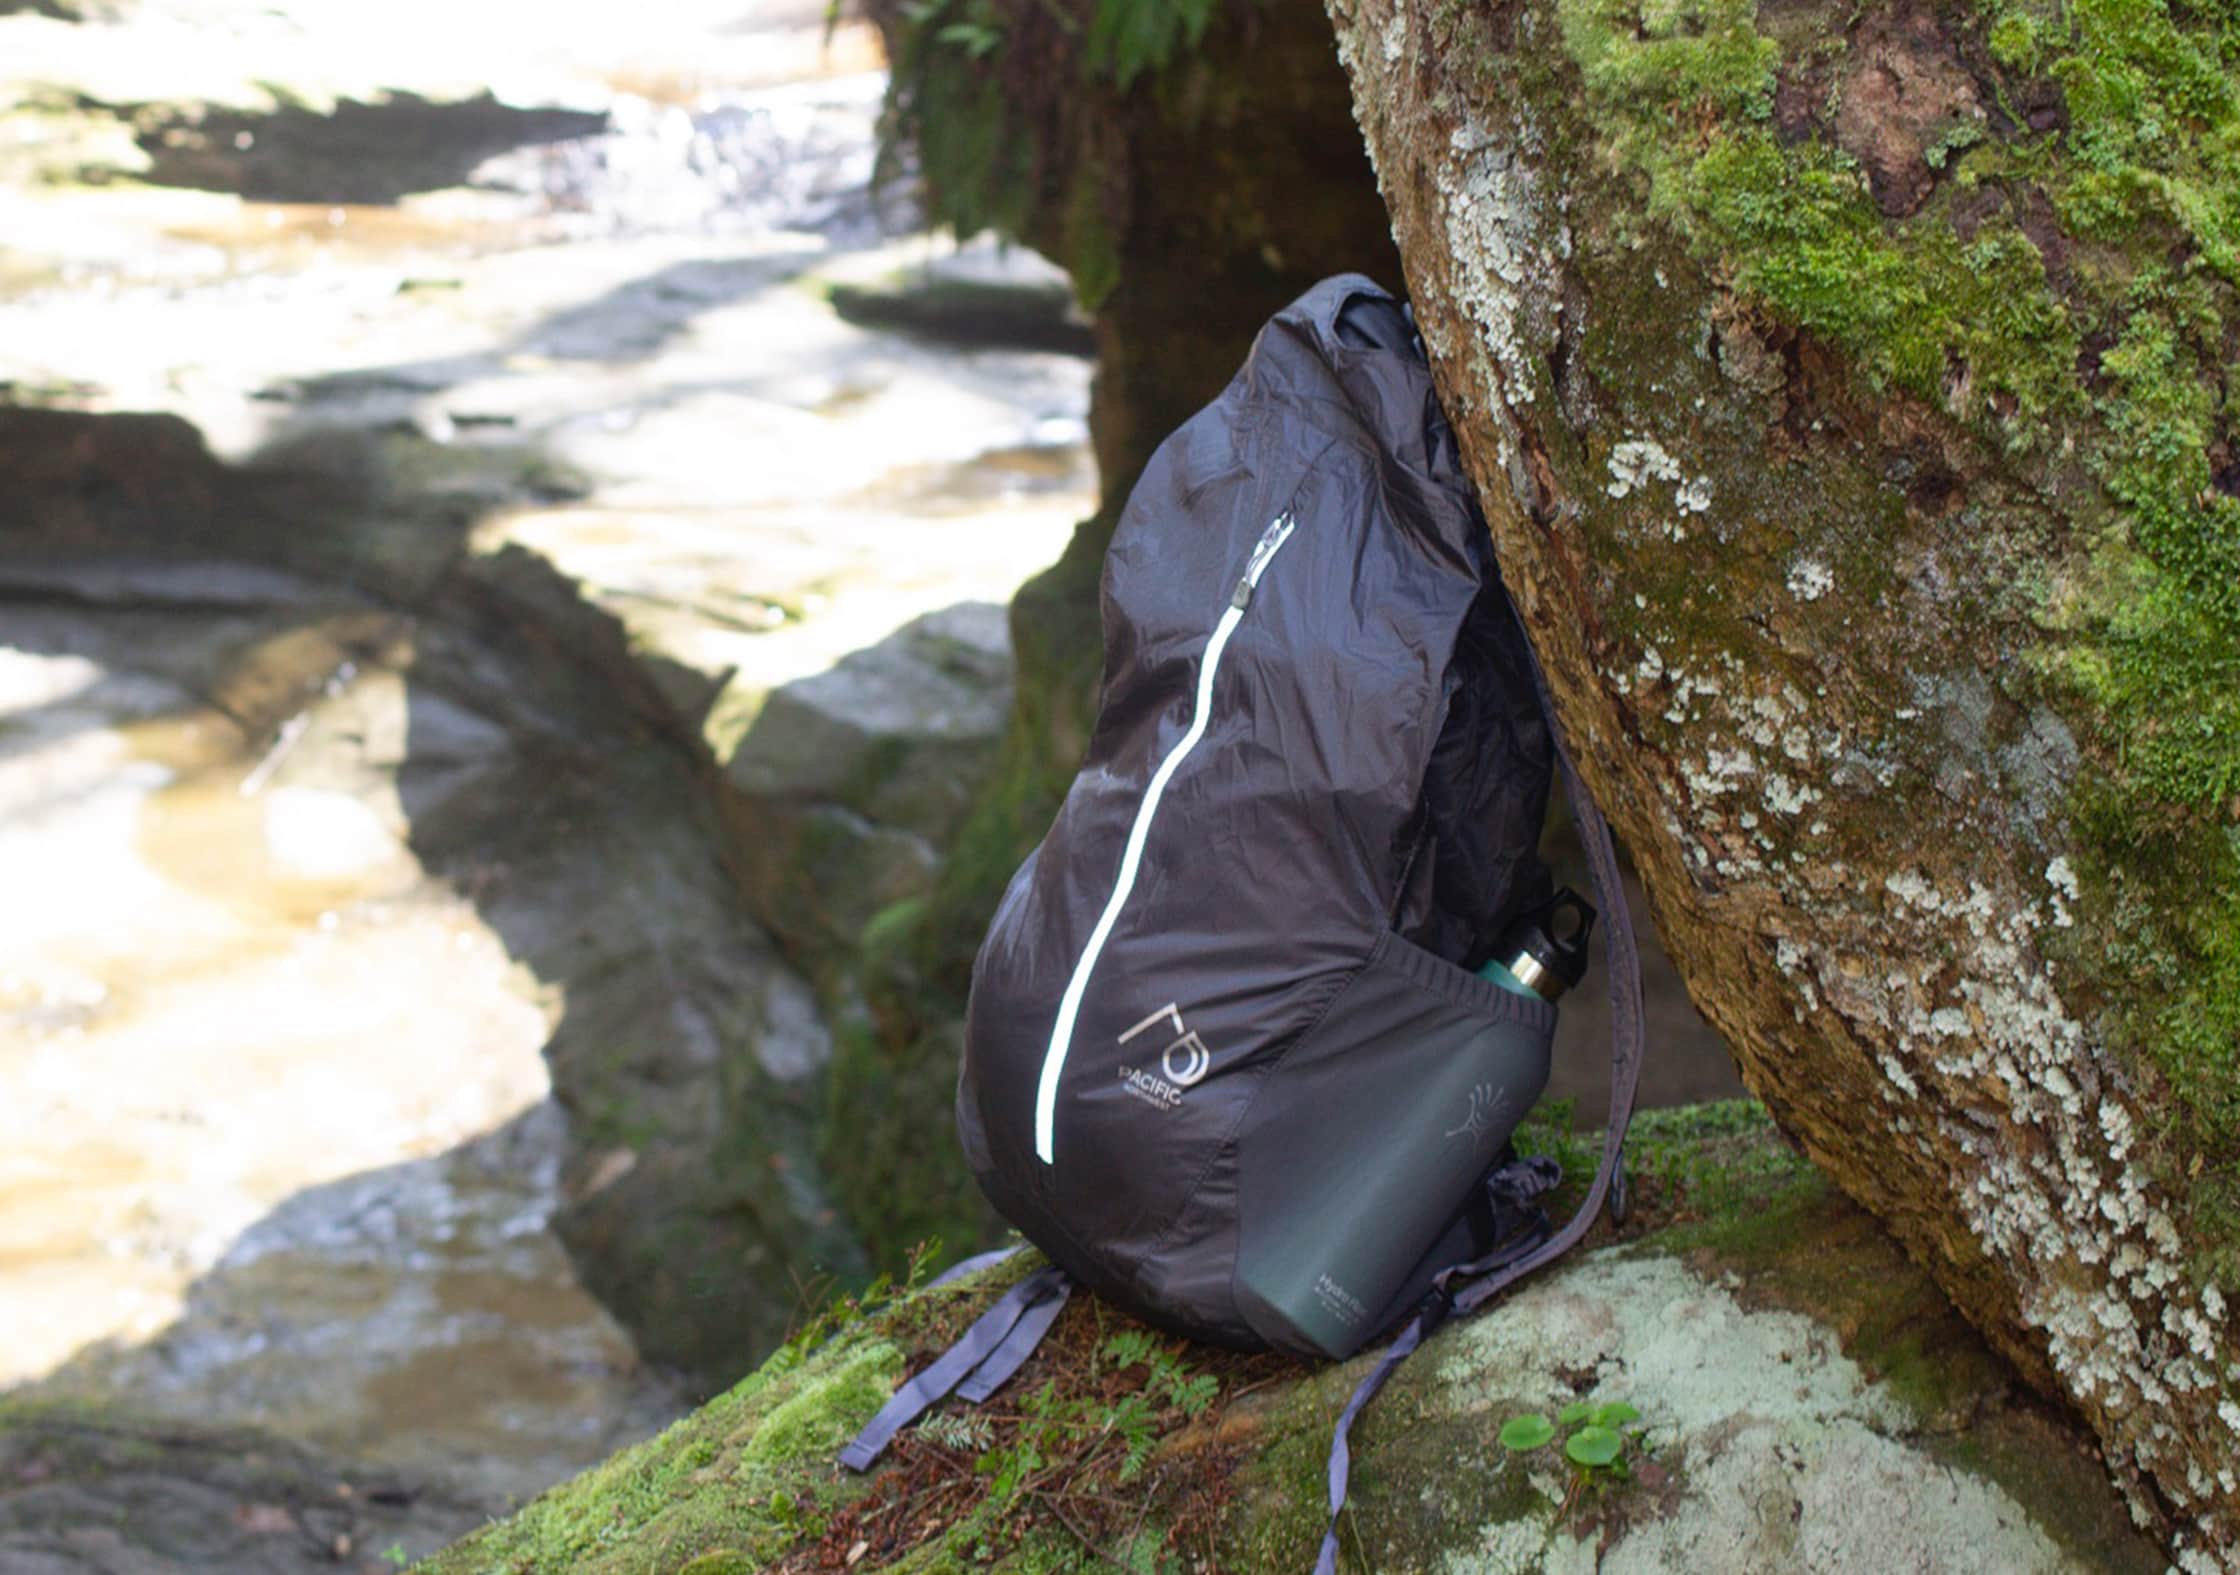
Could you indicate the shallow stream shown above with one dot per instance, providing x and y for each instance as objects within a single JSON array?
[{"x": 289, "y": 852}]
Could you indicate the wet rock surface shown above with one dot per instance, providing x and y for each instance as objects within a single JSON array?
[{"x": 87, "y": 1494}]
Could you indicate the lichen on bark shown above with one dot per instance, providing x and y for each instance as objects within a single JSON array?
[{"x": 1848, "y": 389}]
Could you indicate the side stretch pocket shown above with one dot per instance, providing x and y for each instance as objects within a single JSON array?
[{"x": 1368, "y": 1136}]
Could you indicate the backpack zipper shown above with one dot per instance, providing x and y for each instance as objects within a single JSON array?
[{"x": 1061, "y": 1033}]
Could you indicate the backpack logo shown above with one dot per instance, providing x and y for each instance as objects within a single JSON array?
[
  {"x": 1185, "y": 1061},
  {"x": 1485, "y": 1108}
]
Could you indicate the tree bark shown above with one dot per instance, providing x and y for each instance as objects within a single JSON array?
[{"x": 1804, "y": 620}]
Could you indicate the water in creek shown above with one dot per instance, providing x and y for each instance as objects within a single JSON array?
[
  {"x": 278, "y": 1142},
  {"x": 278, "y": 1145}
]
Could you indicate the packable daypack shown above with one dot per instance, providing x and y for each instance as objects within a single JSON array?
[{"x": 1228, "y": 1062}]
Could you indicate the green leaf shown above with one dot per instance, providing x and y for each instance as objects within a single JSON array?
[
  {"x": 1529, "y": 1431},
  {"x": 1616, "y": 1414},
  {"x": 1194, "y": 1395},
  {"x": 1129, "y": 1347},
  {"x": 1593, "y": 1446},
  {"x": 1574, "y": 1413}
]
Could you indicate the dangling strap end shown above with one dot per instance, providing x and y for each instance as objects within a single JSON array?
[{"x": 995, "y": 1341}]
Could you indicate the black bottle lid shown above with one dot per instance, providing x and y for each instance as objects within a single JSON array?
[{"x": 1546, "y": 947}]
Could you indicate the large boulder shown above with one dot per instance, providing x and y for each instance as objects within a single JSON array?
[
  {"x": 1806, "y": 1399},
  {"x": 1848, "y": 387},
  {"x": 850, "y": 782}
]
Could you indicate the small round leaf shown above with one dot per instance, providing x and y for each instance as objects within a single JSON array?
[
  {"x": 1594, "y": 1446},
  {"x": 1528, "y": 1431},
  {"x": 1574, "y": 1413},
  {"x": 1616, "y": 1414}
]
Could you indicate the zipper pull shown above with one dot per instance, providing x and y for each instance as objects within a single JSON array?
[{"x": 1278, "y": 532}]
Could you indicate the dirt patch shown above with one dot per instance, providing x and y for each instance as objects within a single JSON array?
[{"x": 2033, "y": 213}]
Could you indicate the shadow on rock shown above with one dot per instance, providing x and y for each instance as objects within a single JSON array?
[
  {"x": 371, "y": 153},
  {"x": 345, "y": 657},
  {"x": 632, "y": 322}
]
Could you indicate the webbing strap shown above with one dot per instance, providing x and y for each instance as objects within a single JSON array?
[
  {"x": 1467, "y": 1287},
  {"x": 1521, "y": 1228},
  {"x": 1017, "y": 1346},
  {"x": 988, "y": 1337},
  {"x": 1623, "y": 954}
]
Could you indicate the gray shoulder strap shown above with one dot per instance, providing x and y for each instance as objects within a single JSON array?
[
  {"x": 1623, "y": 953},
  {"x": 1469, "y": 1286}
]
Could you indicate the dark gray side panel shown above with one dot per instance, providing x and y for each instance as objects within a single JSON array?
[{"x": 1365, "y": 1137}]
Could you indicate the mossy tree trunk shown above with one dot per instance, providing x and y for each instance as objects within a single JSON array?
[{"x": 1848, "y": 390}]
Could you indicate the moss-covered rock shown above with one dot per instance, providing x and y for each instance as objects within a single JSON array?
[
  {"x": 1849, "y": 391},
  {"x": 850, "y": 781},
  {"x": 1805, "y": 1396}
]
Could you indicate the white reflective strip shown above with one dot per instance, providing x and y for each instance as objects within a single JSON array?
[
  {"x": 1264, "y": 552},
  {"x": 1069, "y": 1007}
]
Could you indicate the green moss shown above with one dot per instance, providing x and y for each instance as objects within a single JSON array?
[
  {"x": 727, "y": 1483},
  {"x": 890, "y": 1145},
  {"x": 819, "y": 1420},
  {"x": 1713, "y": 1158},
  {"x": 1721, "y": 1158},
  {"x": 1276, "y": 1519},
  {"x": 2090, "y": 358}
]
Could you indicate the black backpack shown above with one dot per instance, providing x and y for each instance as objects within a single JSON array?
[{"x": 1228, "y": 1060}]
